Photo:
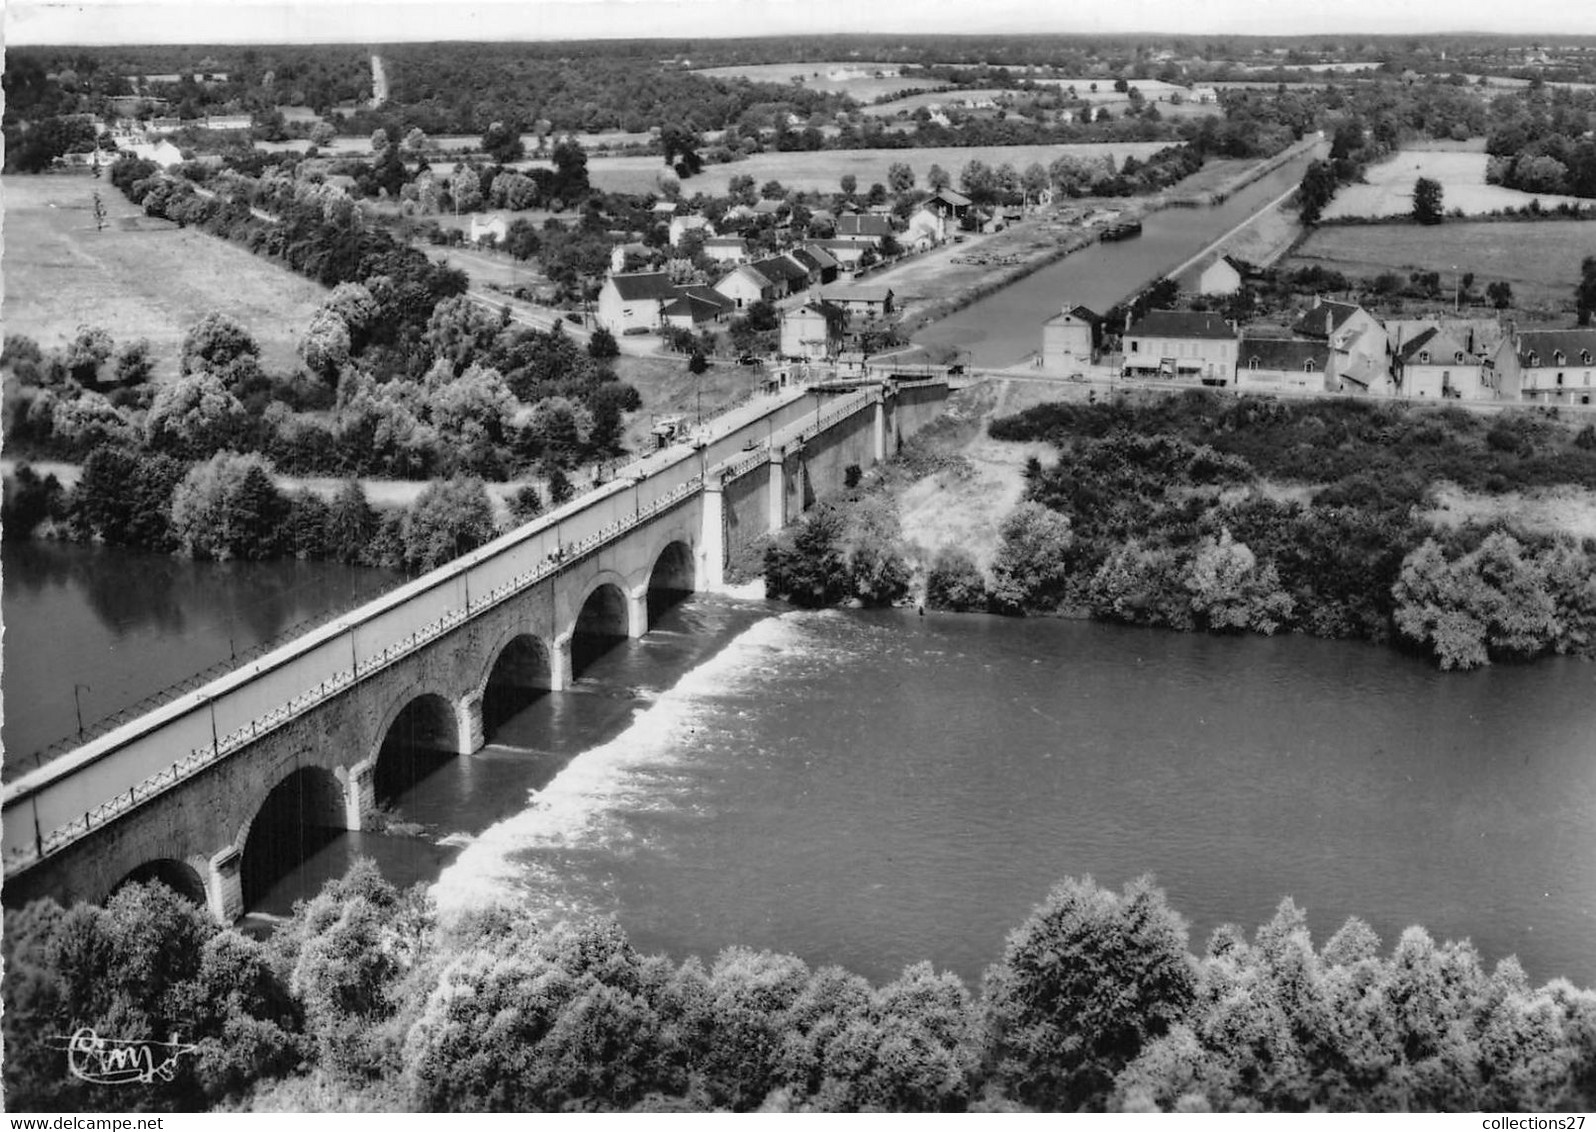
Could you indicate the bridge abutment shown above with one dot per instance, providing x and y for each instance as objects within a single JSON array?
[
  {"x": 879, "y": 434},
  {"x": 776, "y": 501}
]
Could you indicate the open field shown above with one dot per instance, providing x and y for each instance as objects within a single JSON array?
[
  {"x": 1539, "y": 258},
  {"x": 1389, "y": 191},
  {"x": 822, "y": 170},
  {"x": 140, "y": 278},
  {"x": 854, "y": 79}
]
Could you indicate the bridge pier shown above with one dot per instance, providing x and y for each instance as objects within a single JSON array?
[
  {"x": 776, "y": 501},
  {"x": 637, "y": 611},
  {"x": 560, "y": 663},
  {"x": 360, "y": 792},
  {"x": 473, "y": 732},
  {"x": 712, "y": 541},
  {"x": 224, "y": 885},
  {"x": 879, "y": 429}
]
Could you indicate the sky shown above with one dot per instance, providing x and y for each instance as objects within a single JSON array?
[{"x": 386, "y": 21}]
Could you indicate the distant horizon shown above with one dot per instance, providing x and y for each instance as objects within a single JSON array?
[{"x": 142, "y": 23}]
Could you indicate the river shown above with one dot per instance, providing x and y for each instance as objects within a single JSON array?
[
  {"x": 872, "y": 789},
  {"x": 1005, "y": 328}
]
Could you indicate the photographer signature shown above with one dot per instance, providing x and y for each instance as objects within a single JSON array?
[{"x": 115, "y": 1061}]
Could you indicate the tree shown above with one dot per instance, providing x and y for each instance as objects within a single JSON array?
[
  {"x": 806, "y": 565},
  {"x": 602, "y": 345},
  {"x": 322, "y": 134},
  {"x": 214, "y": 343},
  {"x": 1492, "y": 600},
  {"x": 503, "y": 144},
  {"x": 849, "y": 183},
  {"x": 697, "y": 363},
  {"x": 900, "y": 178},
  {"x": 194, "y": 417},
  {"x": 954, "y": 582},
  {"x": 1315, "y": 192},
  {"x": 133, "y": 364},
  {"x": 89, "y": 349},
  {"x": 123, "y": 497},
  {"x": 1427, "y": 201},
  {"x": 449, "y": 518},
  {"x": 1083, "y": 985},
  {"x": 465, "y": 188},
  {"x": 229, "y": 507},
  {"x": 325, "y": 346},
  {"x": 1030, "y": 568},
  {"x": 351, "y": 524},
  {"x": 525, "y": 503},
  {"x": 937, "y": 178},
  {"x": 1585, "y": 293},
  {"x": 1500, "y": 294}
]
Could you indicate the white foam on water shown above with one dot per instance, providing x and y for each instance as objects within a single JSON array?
[{"x": 509, "y": 862}]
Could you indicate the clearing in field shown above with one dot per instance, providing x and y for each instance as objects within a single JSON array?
[
  {"x": 139, "y": 278},
  {"x": 822, "y": 170},
  {"x": 863, "y": 81},
  {"x": 1461, "y": 172},
  {"x": 1539, "y": 258}
]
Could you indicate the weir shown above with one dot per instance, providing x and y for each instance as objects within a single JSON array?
[{"x": 222, "y": 790}]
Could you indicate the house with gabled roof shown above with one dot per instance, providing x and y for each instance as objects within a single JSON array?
[
  {"x": 787, "y": 276},
  {"x": 1070, "y": 338},
  {"x": 1547, "y": 367},
  {"x": 1195, "y": 345},
  {"x": 821, "y": 259},
  {"x": 1303, "y": 364},
  {"x": 860, "y": 300},
  {"x": 863, "y": 227},
  {"x": 847, "y": 253},
  {"x": 1440, "y": 359},
  {"x": 726, "y": 249},
  {"x": 1212, "y": 275},
  {"x": 1361, "y": 344},
  {"x": 634, "y": 302},
  {"x": 813, "y": 331},
  {"x": 746, "y": 285},
  {"x": 694, "y": 306},
  {"x": 681, "y": 225}
]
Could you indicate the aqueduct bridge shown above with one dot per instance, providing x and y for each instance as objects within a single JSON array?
[{"x": 222, "y": 790}]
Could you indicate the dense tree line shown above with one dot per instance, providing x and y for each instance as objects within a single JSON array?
[
  {"x": 1541, "y": 142},
  {"x": 1151, "y": 515},
  {"x": 367, "y": 1000}
]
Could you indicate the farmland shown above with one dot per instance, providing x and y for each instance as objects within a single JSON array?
[
  {"x": 855, "y": 79},
  {"x": 820, "y": 171},
  {"x": 139, "y": 278},
  {"x": 1540, "y": 259},
  {"x": 1461, "y": 172}
]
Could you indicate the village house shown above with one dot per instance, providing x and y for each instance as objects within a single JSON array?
[
  {"x": 726, "y": 249},
  {"x": 860, "y": 301},
  {"x": 847, "y": 253},
  {"x": 228, "y": 122},
  {"x": 786, "y": 277},
  {"x": 950, "y": 209},
  {"x": 822, "y": 264},
  {"x": 694, "y": 306},
  {"x": 863, "y": 228},
  {"x": 1212, "y": 275},
  {"x": 1547, "y": 367},
  {"x": 1360, "y": 342},
  {"x": 634, "y": 302},
  {"x": 1444, "y": 359},
  {"x": 812, "y": 332},
  {"x": 1301, "y": 364},
  {"x": 491, "y": 226},
  {"x": 747, "y": 285},
  {"x": 681, "y": 225},
  {"x": 1069, "y": 339},
  {"x": 1198, "y": 345}
]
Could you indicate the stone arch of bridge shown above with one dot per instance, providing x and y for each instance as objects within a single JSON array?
[
  {"x": 418, "y": 734},
  {"x": 182, "y": 877},
  {"x": 672, "y": 577},
  {"x": 299, "y": 815},
  {"x": 519, "y": 669},
  {"x": 604, "y": 618}
]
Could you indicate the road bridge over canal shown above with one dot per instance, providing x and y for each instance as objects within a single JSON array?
[{"x": 221, "y": 791}]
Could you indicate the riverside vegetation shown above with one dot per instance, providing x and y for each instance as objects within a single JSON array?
[
  {"x": 1199, "y": 512},
  {"x": 367, "y": 1000}
]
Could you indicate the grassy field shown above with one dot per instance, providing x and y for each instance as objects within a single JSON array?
[
  {"x": 139, "y": 278},
  {"x": 821, "y": 171},
  {"x": 815, "y": 76},
  {"x": 1389, "y": 191},
  {"x": 1540, "y": 259}
]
